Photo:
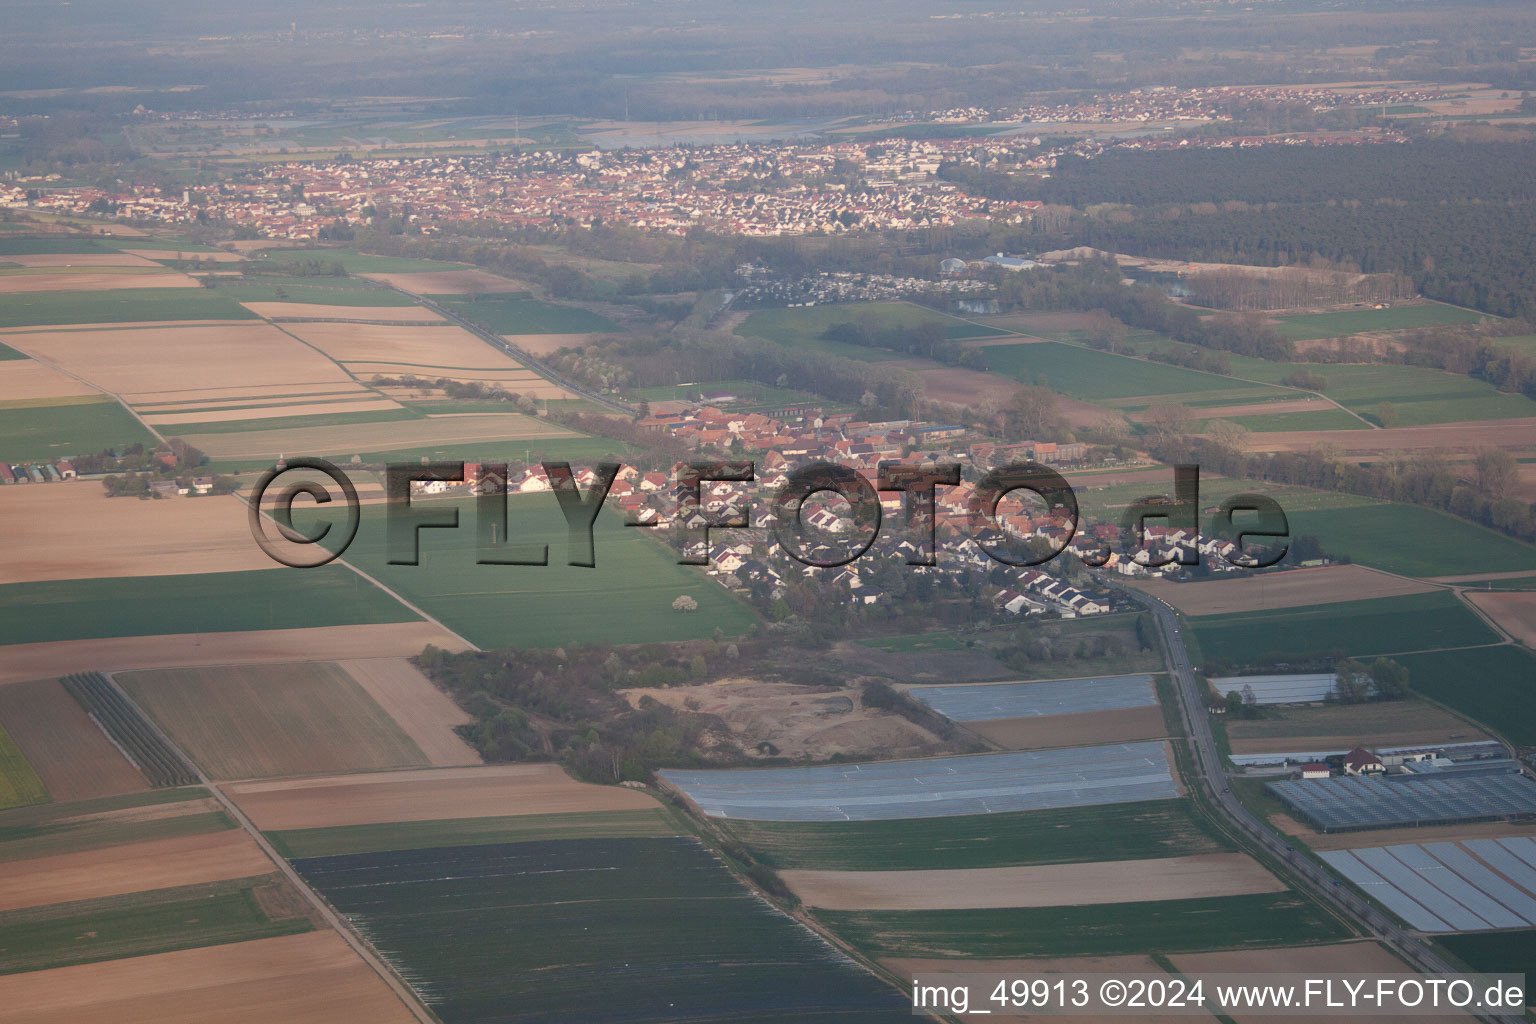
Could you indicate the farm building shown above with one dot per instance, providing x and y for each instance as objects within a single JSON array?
[
  {"x": 1362, "y": 762},
  {"x": 1316, "y": 770}
]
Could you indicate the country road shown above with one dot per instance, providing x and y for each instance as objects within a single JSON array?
[{"x": 1305, "y": 873}]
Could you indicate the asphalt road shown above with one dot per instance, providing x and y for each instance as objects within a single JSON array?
[{"x": 1305, "y": 873}]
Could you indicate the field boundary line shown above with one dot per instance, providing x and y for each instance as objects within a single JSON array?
[
  {"x": 402, "y": 989},
  {"x": 1492, "y": 624}
]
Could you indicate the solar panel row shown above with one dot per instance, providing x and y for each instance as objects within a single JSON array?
[
  {"x": 1344, "y": 803},
  {"x": 937, "y": 787},
  {"x": 991, "y": 701},
  {"x": 1443, "y": 887}
]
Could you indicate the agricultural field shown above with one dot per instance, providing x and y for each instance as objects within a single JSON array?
[
  {"x": 803, "y": 328},
  {"x": 161, "y": 763},
  {"x": 424, "y": 713},
  {"x": 1308, "y": 326},
  {"x": 121, "y": 306},
  {"x": 1109, "y": 832},
  {"x": 1515, "y": 613},
  {"x": 47, "y": 432},
  {"x": 1055, "y": 713},
  {"x": 309, "y": 978},
  {"x": 158, "y": 921},
  {"x": 1510, "y": 952},
  {"x": 61, "y": 829},
  {"x": 1396, "y": 723},
  {"x": 935, "y": 787},
  {"x": 1320, "y": 419},
  {"x": 1167, "y": 926},
  {"x": 510, "y": 431},
  {"x": 1292, "y": 588},
  {"x": 940, "y": 641},
  {"x": 519, "y": 314},
  {"x": 627, "y": 598},
  {"x": 1097, "y": 376},
  {"x": 427, "y": 795},
  {"x": 718, "y": 950},
  {"x": 1412, "y": 540},
  {"x": 66, "y": 748},
  {"x": 1385, "y": 625},
  {"x": 1501, "y": 696},
  {"x": 653, "y": 822},
  {"x": 354, "y": 262},
  {"x": 259, "y": 721},
  {"x": 19, "y": 783},
  {"x": 208, "y": 603},
  {"x": 1447, "y": 887}
]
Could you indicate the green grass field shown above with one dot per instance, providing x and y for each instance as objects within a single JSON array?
[
  {"x": 941, "y": 641},
  {"x": 521, "y": 315},
  {"x": 122, "y": 306},
  {"x": 1308, "y": 326},
  {"x": 19, "y": 784},
  {"x": 592, "y": 929},
  {"x": 47, "y": 433},
  {"x": 1320, "y": 419},
  {"x": 803, "y": 327},
  {"x": 1410, "y": 539},
  {"x": 320, "y": 291},
  {"x": 1138, "y": 831},
  {"x": 259, "y": 721},
  {"x": 1359, "y": 628},
  {"x": 284, "y": 598},
  {"x": 1093, "y": 375},
  {"x": 1490, "y": 684},
  {"x": 360, "y": 263},
  {"x": 1511, "y": 952},
  {"x": 626, "y": 599},
  {"x": 422, "y": 835},
  {"x": 7, "y": 353},
  {"x": 52, "y": 829},
  {"x": 89, "y": 931},
  {"x": 1163, "y": 926}
]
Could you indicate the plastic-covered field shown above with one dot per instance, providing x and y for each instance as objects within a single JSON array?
[
  {"x": 1343, "y": 804},
  {"x": 1441, "y": 887},
  {"x": 992, "y": 701},
  {"x": 1294, "y": 689},
  {"x": 938, "y": 787}
]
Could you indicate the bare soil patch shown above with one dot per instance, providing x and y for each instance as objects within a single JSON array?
[
  {"x": 796, "y": 721},
  {"x": 305, "y": 309},
  {"x": 65, "y": 747},
  {"x": 1290, "y": 589},
  {"x": 193, "y": 405},
  {"x": 1514, "y": 612},
  {"x": 136, "y": 867},
  {"x": 451, "y": 282},
  {"x": 426, "y": 795},
  {"x": 314, "y": 978},
  {"x": 1082, "y": 728},
  {"x": 262, "y": 394},
  {"x": 548, "y": 344},
  {"x": 426, "y": 714},
  {"x": 1049, "y": 885},
  {"x": 366, "y": 437},
  {"x": 74, "y": 531},
  {"x": 1343, "y": 727},
  {"x": 245, "y": 647},
  {"x": 365, "y": 402},
  {"x": 428, "y": 345},
  {"x": 13, "y": 284},
  {"x": 1515, "y": 434},
  {"x": 28, "y": 378},
  {"x": 178, "y": 358}
]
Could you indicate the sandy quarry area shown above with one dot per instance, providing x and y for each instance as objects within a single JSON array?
[
  {"x": 74, "y": 531},
  {"x": 798, "y": 721},
  {"x": 345, "y": 439},
  {"x": 88, "y": 281},
  {"x": 426, "y": 795},
  {"x": 180, "y": 358},
  {"x": 136, "y": 867},
  {"x": 426, "y": 714},
  {"x": 314, "y": 978},
  {"x": 425, "y": 345},
  {"x": 244, "y": 647},
  {"x": 1293, "y": 588},
  {"x": 1083, "y": 728},
  {"x": 23, "y": 379},
  {"x": 312, "y": 311},
  {"x": 1514, "y": 612},
  {"x": 1044, "y": 885},
  {"x": 451, "y": 282}
]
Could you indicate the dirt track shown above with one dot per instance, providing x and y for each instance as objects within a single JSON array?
[
  {"x": 1293, "y": 588},
  {"x": 318, "y": 643},
  {"x": 425, "y": 795},
  {"x": 1048, "y": 885},
  {"x": 297, "y": 979}
]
